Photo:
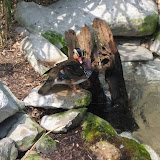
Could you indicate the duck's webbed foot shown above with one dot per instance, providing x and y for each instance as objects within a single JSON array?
[{"x": 76, "y": 88}]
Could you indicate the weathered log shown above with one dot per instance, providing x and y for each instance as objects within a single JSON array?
[
  {"x": 71, "y": 41},
  {"x": 85, "y": 41},
  {"x": 111, "y": 62}
]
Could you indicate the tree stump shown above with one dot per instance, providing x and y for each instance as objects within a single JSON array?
[
  {"x": 111, "y": 62},
  {"x": 85, "y": 42},
  {"x": 71, "y": 41}
]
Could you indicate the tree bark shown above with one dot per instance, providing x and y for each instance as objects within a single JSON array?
[
  {"x": 71, "y": 41},
  {"x": 111, "y": 62},
  {"x": 85, "y": 42}
]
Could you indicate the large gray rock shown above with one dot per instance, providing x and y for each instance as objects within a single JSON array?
[
  {"x": 134, "y": 53},
  {"x": 60, "y": 96},
  {"x": 68, "y": 119},
  {"x": 9, "y": 104},
  {"x": 7, "y": 124},
  {"x": 126, "y": 18},
  {"x": 38, "y": 50},
  {"x": 8, "y": 151},
  {"x": 25, "y": 132}
]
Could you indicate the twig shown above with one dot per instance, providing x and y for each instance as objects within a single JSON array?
[{"x": 26, "y": 155}]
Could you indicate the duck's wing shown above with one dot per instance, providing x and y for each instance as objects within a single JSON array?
[{"x": 46, "y": 86}]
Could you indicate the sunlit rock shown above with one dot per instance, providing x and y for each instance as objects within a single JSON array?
[
  {"x": 9, "y": 104},
  {"x": 134, "y": 53},
  {"x": 105, "y": 150},
  {"x": 8, "y": 150},
  {"x": 64, "y": 121},
  {"x": 60, "y": 96},
  {"x": 95, "y": 129},
  {"x": 126, "y": 18},
  {"x": 8, "y": 123},
  {"x": 25, "y": 132},
  {"x": 39, "y": 51}
]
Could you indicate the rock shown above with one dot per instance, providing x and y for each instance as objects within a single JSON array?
[
  {"x": 127, "y": 42},
  {"x": 134, "y": 53},
  {"x": 70, "y": 119},
  {"x": 104, "y": 150},
  {"x": 25, "y": 132},
  {"x": 22, "y": 31},
  {"x": 126, "y": 18},
  {"x": 8, "y": 151},
  {"x": 60, "y": 96},
  {"x": 46, "y": 145},
  {"x": 33, "y": 155},
  {"x": 155, "y": 47},
  {"x": 8, "y": 123},
  {"x": 9, "y": 104},
  {"x": 153, "y": 154},
  {"x": 39, "y": 51},
  {"x": 96, "y": 129}
]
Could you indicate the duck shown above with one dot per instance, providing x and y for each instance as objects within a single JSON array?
[{"x": 69, "y": 72}]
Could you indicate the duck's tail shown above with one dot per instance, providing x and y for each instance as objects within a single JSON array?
[{"x": 46, "y": 86}]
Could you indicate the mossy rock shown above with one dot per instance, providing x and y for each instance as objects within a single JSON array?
[
  {"x": 46, "y": 145},
  {"x": 57, "y": 40},
  {"x": 33, "y": 155},
  {"x": 130, "y": 149},
  {"x": 148, "y": 24},
  {"x": 85, "y": 100},
  {"x": 96, "y": 128}
]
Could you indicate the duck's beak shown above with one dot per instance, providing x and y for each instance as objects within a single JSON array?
[{"x": 80, "y": 60}]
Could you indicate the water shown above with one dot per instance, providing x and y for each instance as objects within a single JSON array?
[{"x": 143, "y": 87}]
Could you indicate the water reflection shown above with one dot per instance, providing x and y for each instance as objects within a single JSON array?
[
  {"x": 142, "y": 117},
  {"x": 143, "y": 86}
]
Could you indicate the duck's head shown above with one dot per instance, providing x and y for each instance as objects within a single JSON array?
[{"x": 77, "y": 54}]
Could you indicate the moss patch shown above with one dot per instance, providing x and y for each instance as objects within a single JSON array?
[
  {"x": 46, "y": 145},
  {"x": 85, "y": 100},
  {"x": 148, "y": 25},
  {"x": 57, "y": 40},
  {"x": 130, "y": 149},
  {"x": 96, "y": 128}
]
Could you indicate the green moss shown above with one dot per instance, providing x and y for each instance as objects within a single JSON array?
[
  {"x": 46, "y": 145},
  {"x": 34, "y": 156},
  {"x": 56, "y": 39},
  {"x": 132, "y": 149},
  {"x": 148, "y": 25},
  {"x": 85, "y": 100},
  {"x": 96, "y": 128}
]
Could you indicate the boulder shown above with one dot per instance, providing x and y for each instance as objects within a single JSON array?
[
  {"x": 8, "y": 123},
  {"x": 9, "y": 104},
  {"x": 68, "y": 119},
  {"x": 8, "y": 151},
  {"x": 60, "y": 96},
  {"x": 46, "y": 145},
  {"x": 96, "y": 131},
  {"x": 25, "y": 132},
  {"x": 126, "y": 18},
  {"x": 105, "y": 150},
  {"x": 39, "y": 51},
  {"x": 134, "y": 53}
]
